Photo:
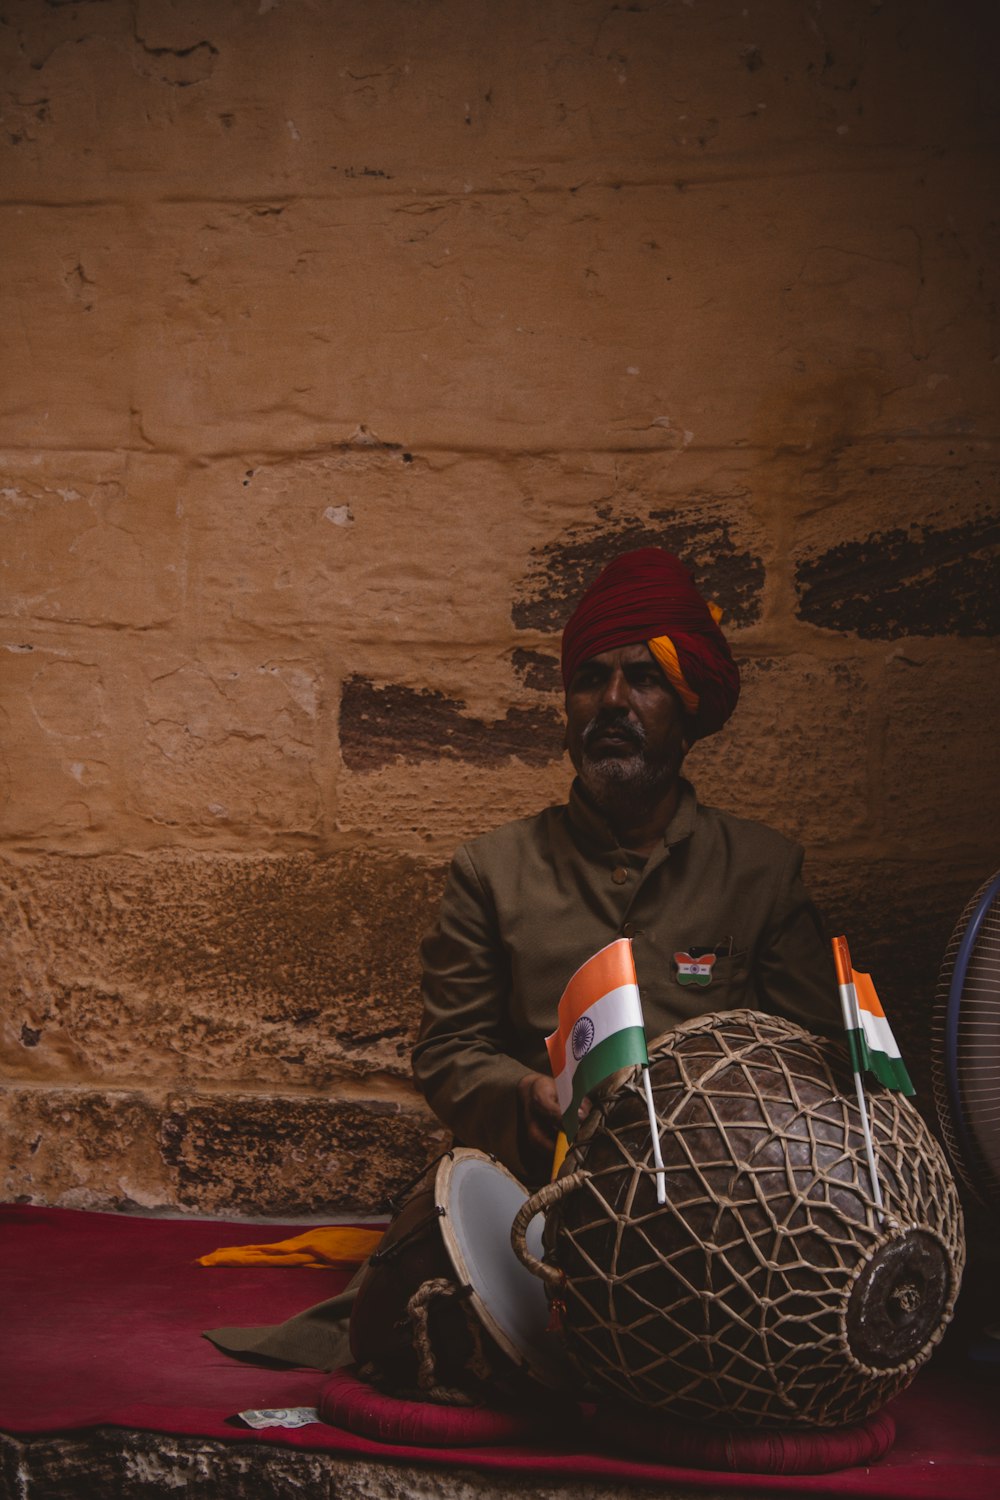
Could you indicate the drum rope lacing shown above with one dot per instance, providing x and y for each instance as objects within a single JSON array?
[
  {"x": 393, "y": 1251},
  {"x": 476, "y": 1364}
]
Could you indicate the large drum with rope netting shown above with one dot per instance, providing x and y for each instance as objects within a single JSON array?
[{"x": 769, "y": 1289}]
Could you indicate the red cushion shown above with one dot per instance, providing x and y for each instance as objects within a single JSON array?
[
  {"x": 353, "y": 1404},
  {"x": 348, "y": 1402},
  {"x": 813, "y": 1450}
]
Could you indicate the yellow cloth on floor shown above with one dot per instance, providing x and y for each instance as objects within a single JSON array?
[{"x": 321, "y": 1248}]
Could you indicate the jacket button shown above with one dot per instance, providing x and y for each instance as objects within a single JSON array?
[
  {"x": 630, "y": 930},
  {"x": 619, "y": 874}
]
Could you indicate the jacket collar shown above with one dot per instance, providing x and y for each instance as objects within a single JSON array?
[{"x": 594, "y": 834}]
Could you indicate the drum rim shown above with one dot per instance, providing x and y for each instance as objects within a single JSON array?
[
  {"x": 528, "y": 1358},
  {"x": 954, "y": 1259}
]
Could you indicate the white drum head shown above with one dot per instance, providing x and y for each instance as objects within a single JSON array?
[{"x": 480, "y": 1199}]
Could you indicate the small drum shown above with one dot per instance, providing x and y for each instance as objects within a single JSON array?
[
  {"x": 767, "y": 1290},
  {"x": 446, "y": 1312}
]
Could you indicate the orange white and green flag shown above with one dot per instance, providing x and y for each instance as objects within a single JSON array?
[
  {"x": 600, "y": 1028},
  {"x": 872, "y": 1045}
]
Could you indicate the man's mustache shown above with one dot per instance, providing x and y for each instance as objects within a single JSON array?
[{"x": 602, "y": 722}]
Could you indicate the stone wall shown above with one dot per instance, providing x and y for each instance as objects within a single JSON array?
[{"x": 342, "y": 343}]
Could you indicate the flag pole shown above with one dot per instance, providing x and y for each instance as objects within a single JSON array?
[
  {"x": 869, "y": 1149},
  {"x": 654, "y": 1130},
  {"x": 852, "y": 1025}
]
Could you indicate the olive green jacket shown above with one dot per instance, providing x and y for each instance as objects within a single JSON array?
[{"x": 526, "y": 905}]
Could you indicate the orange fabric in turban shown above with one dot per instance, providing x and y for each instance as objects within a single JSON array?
[{"x": 648, "y": 595}]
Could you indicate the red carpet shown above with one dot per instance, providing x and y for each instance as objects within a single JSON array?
[{"x": 101, "y": 1319}]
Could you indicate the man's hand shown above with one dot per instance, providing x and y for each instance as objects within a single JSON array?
[
  {"x": 540, "y": 1114},
  {"x": 539, "y": 1120}
]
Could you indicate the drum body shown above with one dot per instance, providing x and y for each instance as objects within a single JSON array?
[
  {"x": 767, "y": 1290},
  {"x": 446, "y": 1311}
]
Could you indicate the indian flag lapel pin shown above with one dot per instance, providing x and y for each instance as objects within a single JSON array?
[{"x": 691, "y": 970}]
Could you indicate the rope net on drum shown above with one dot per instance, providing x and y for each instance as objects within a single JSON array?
[{"x": 731, "y": 1296}]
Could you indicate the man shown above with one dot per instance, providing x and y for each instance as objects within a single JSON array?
[
  {"x": 647, "y": 673},
  {"x": 714, "y": 905}
]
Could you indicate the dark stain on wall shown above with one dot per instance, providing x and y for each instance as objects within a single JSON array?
[
  {"x": 561, "y": 571},
  {"x": 920, "y": 581},
  {"x": 537, "y": 670},
  {"x": 379, "y": 725}
]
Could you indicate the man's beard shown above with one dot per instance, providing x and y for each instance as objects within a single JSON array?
[{"x": 618, "y": 784}]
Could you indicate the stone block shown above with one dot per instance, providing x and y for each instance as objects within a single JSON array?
[
  {"x": 230, "y": 741},
  {"x": 555, "y": 321},
  {"x": 135, "y": 1465},
  {"x": 371, "y": 549},
  {"x": 795, "y": 754},
  {"x": 281, "y": 1156},
  {"x": 62, "y": 757},
  {"x": 72, "y": 286},
  {"x": 940, "y": 790},
  {"x": 83, "y": 1148},
  {"x": 218, "y": 1153},
  {"x": 91, "y": 539},
  {"x": 117, "y": 738},
  {"x": 397, "y": 95},
  {"x": 278, "y": 973},
  {"x": 613, "y": 320},
  {"x": 366, "y": 542},
  {"x": 433, "y": 807}
]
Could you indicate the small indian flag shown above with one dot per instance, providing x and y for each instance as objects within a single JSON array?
[
  {"x": 600, "y": 1028},
  {"x": 869, "y": 1036}
]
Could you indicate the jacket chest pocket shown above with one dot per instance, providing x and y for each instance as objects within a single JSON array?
[{"x": 720, "y": 982}]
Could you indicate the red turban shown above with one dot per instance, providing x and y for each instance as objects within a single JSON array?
[{"x": 648, "y": 596}]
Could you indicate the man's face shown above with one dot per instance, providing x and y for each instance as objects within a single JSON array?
[{"x": 624, "y": 727}]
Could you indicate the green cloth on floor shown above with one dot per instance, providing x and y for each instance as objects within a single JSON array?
[{"x": 317, "y": 1338}]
